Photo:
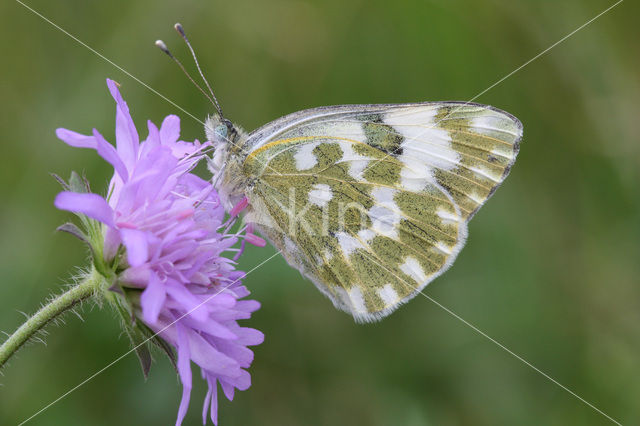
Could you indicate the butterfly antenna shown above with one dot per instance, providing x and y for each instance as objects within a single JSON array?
[
  {"x": 162, "y": 46},
  {"x": 180, "y": 31}
]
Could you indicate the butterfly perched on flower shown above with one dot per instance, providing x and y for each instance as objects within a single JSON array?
[{"x": 369, "y": 202}]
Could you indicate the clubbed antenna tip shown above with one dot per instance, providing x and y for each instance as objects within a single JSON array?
[
  {"x": 180, "y": 30},
  {"x": 160, "y": 44}
]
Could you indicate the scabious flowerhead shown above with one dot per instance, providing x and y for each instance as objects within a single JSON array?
[{"x": 160, "y": 242}]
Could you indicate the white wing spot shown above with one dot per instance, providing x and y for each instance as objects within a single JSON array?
[
  {"x": 411, "y": 116},
  {"x": 328, "y": 255},
  {"x": 304, "y": 156},
  {"x": 385, "y": 213},
  {"x": 447, "y": 217},
  {"x": 412, "y": 268},
  {"x": 491, "y": 123},
  {"x": 320, "y": 195},
  {"x": 357, "y": 162},
  {"x": 443, "y": 247},
  {"x": 366, "y": 234},
  {"x": 415, "y": 176},
  {"x": 483, "y": 171},
  {"x": 388, "y": 295},
  {"x": 503, "y": 152},
  {"x": 473, "y": 196},
  {"x": 357, "y": 300},
  {"x": 348, "y": 243},
  {"x": 425, "y": 147}
]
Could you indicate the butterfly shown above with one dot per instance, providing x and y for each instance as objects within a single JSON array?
[{"x": 369, "y": 202}]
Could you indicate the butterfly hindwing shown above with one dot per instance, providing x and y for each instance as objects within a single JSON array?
[{"x": 371, "y": 202}]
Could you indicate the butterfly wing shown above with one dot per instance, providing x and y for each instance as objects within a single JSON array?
[{"x": 371, "y": 202}]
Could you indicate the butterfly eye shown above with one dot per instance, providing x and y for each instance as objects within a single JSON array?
[
  {"x": 231, "y": 130},
  {"x": 221, "y": 131}
]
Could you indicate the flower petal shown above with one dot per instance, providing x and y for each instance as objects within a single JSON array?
[
  {"x": 152, "y": 299},
  {"x": 170, "y": 130},
  {"x": 208, "y": 357},
  {"x": 190, "y": 303},
  {"x": 97, "y": 142},
  {"x": 207, "y": 401},
  {"x": 211, "y": 327},
  {"x": 152, "y": 141},
  {"x": 249, "y": 336},
  {"x": 137, "y": 277},
  {"x": 242, "y": 382},
  {"x": 108, "y": 152},
  {"x": 91, "y": 205},
  {"x": 214, "y": 402},
  {"x": 112, "y": 241},
  {"x": 154, "y": 134},
  {"x": 127, "y": 140},
  {"x": 227, "y": 389},
  {"x": 248, "y": 305},
  {"x": 184, "y": 404},
  {"x": 136, "y": 243},
  {"x": 184, "y": 369},
  {"x": 74, "y": 139},
  {"x": 240, "y": 353}
]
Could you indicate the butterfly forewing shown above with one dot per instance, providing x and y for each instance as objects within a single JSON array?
[{"x": 371, "y": 202}]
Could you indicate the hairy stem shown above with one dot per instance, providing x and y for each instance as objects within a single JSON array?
[{"x": 59, "y": 305}]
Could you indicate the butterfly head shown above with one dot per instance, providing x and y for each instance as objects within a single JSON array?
[
  {"x": 222, "y": 133},
  {"x": 227, "y": 140}
]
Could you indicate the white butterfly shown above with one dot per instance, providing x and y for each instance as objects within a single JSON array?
[{"x": 370, "y": 202}]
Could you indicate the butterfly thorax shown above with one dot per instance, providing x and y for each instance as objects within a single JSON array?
[{"x": 228, "y": 141}]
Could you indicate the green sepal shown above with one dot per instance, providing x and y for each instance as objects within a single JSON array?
[
  {"x": 137, "y": 338},
  {"x": 79, "y": 184},
  {"x": 72, "y": 229},
  {"x": 160, "y": 343},
  {"x": 91, "y": 231},
  {"x": 127, "y": 301},
  {"x": 61, "y": 181}
]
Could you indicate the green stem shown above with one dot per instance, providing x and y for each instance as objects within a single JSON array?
[{"x": 62, "y": 303}]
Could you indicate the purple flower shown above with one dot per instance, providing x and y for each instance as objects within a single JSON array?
[{"x": 163, "y": 241}]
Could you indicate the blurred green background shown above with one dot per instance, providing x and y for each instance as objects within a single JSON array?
[{"x": 551, "y": 269}]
